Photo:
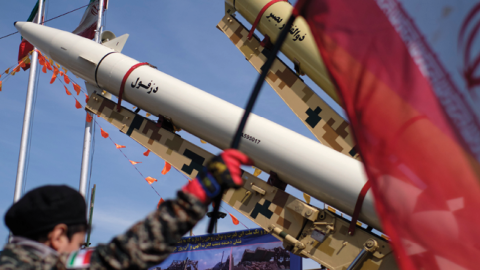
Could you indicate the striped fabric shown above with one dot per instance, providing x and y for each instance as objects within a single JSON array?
[{"x": 79, "y": 259}]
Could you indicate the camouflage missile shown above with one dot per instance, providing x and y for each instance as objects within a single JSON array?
[
  {"x": 309, "y": 166},
  {"x": 300, "y": 46}
]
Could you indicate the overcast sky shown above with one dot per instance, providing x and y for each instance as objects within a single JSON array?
[{"x": 180, "y": 38}]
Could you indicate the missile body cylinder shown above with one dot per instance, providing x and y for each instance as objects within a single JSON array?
[
  {"x": 300, "y": 46},
  {"x": 299, "y": 161}
]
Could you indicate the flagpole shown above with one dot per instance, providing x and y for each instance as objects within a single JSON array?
[
  {"x": 87, "y": 139},
  {"x": 27, "y": 116}
]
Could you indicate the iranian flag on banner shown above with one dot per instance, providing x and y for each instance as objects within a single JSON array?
[
  {"x": 408, "y": 72},
  {"x": 25, "y": 46},
  {"x": 88, "y": 24}
]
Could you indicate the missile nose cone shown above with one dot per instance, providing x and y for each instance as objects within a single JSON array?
[{"x": 18, "y": 25}]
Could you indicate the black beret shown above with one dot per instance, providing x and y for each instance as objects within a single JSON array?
[{"x": 41, "y": 209}]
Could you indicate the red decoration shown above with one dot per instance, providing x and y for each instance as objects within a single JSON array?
[
  {"x": 167, "y": 168},
  {"x": 104, "y": 133},
  {"x": 77, "y": 104},
  {"x": 234, "y": 219}
]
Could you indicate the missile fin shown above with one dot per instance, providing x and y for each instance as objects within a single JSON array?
[
  {"x": 93, "y": 88},
  {"x": 117, "y": 43},
  {"x": 88, "y": 59}
]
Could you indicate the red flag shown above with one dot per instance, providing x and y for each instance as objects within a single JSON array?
[
  {"x": 22, "y": 63},
  {"x": 166, "y": 168},
  {"x": 146, "y": 153},
  {"x": 55, "y": 70},
  {"x": 160, "y": 202},
  {"x": 54, "y": 76},
  {"x": 89, "y": 118},
  {"x": 47, "y": 64},
  {"x": 76, "y": 87},
  {"x": 77, "y": 104},
  {"x": 41, "y": 59},
  {"x": 412, "y": 116},
  {"x": 44, "y": 69},
  {"x": 234, "y": 219},
  {"x": 150, "y": 179},
  {"x": 104, "y": 133},
  {"x": 120, "y": 146},
  {"x": 0, "y": 85},
  {"x": 66, "y": 90},
  {"x": 87, "y": 98},
  {"x": 134, "y": 162},
  {"x": 25, "y": 48},
  {"x": 66, "y": 79},
  {"x": 88, "y": 24}
]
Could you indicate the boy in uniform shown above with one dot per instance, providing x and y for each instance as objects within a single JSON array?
[{"x": 49, "y": 224}]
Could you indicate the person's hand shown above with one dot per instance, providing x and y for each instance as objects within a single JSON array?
[{"x": 221, "y": 172}]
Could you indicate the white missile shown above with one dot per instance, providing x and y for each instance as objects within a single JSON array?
[
  {"x": 300, "y": 46},
  {"x": 309, "y": 166}
]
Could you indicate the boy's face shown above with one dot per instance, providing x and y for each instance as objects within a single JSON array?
[
  {"x": 69, "y": 246},
  {"x": 58, "y": 240}
]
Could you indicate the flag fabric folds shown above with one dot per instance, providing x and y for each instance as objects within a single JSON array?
[
  {"x": 307, "y": 197},
  {"x": 413, "y": 104},
  {"x": 66, "y": 90},
  {"x": 119, "y": 146},
  {"x": 134, "y": 162},
  {"x": 54, "y": 76},
  {"x": 76, "y": 87},
  {"x": 150, "y": 179},
  {"x": 65, "y": 78},
  {"x": 104, "y": 133},
  {"x": 160, "y": 202},
  {"x": 25, "y": 46},
  {"x": 234, "y": 219},
  {"x": 77, "y": 104},
  {"x": 88, "y": 23},
  {"x": 257, "y": 172},
  {"x": 166, "y": 168}
]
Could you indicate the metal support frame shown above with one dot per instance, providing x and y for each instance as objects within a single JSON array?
[
  {"x": 369, "y": 247},
  {"x": 87, "y": 138},
  {"x": 27, "y": 116}
]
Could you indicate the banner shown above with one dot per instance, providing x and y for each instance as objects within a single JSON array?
[{"x": 239, "y": 250}]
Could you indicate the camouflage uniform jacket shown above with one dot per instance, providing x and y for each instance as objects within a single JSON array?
[{"x": 144, "y": 245}]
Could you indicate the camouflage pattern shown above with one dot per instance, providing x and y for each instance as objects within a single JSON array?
[
  {"x": 327, "y": 126},
  {"x": 144, "y": 245},
  {"x": 271, "y": 208},
  {"x": 181, "y": 154}
]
